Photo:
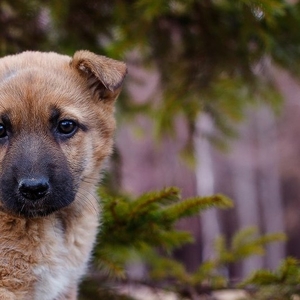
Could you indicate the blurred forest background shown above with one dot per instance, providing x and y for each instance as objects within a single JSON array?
[{"x": 210, "y": 105}]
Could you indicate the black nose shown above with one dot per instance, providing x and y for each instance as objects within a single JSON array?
[{"x": 34, "y": 188}]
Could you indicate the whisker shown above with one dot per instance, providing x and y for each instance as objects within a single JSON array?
[
  {"x": 91, "y": 180},
  {"x": 21, "y": 209},
  {"x": 86, "y": 200}
]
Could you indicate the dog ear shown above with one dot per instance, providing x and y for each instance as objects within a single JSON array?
[{"x": 104, "y": 75}]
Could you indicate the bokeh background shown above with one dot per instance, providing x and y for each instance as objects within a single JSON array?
[{"x": 211, "y": 104}]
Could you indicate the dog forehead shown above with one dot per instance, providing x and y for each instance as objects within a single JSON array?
[
  {"x": 34, "y": 92},
  {"x": 38, "y": 72}
]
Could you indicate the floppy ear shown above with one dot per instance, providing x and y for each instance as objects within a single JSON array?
[{"x": 104, "y": 75}]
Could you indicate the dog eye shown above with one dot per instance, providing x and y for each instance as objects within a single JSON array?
[
  {"x": 3, "y": 132},
  {"x": 67, "y": 127}
]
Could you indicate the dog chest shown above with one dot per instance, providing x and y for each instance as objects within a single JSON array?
[
  {"x": 64, "y": 260},
  {"x": 40, "y": 259}
]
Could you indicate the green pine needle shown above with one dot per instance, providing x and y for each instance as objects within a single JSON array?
[{"x": 193, "y": 206}]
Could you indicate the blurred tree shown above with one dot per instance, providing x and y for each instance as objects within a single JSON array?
[
  {"x": 206, "y": 52},
  {"x": 22, "y": 26},
  {"x": 209, "y": 53}
]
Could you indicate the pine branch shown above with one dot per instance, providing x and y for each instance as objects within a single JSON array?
[
  {"x": 138, "y": 227},
  {"x": 195, "y": 205},
  {"x": 245, "y": 243},
  {"x": 161, "y": 198}
]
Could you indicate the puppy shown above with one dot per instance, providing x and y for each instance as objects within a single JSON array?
[{"x": 56, "y": 128}]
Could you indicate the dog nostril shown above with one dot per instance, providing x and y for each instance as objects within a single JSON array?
[{"x": 34, "y": 189}]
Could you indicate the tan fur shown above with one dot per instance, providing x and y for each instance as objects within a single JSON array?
[{"x": 45, "y": 257}]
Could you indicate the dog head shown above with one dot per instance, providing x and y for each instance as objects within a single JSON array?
[{"x": 56, "y": 127}]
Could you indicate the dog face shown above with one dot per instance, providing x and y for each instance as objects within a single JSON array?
[{"x": 56, "y": 127}]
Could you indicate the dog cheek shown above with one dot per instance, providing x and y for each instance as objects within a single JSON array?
[
  {"x": 103, "y": 149},
  {"x": 95, "y": 152},
  {"x": 2, "y": 155},
  {"x": 86, "y": 151},
  {"x": 103, "y": 136},
  {"x": 79, "y": 154}
]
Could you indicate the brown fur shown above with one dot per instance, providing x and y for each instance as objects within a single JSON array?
[{"x": 44, "y": 255}]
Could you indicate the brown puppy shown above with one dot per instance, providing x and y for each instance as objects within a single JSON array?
[{"x": 56, "y": 127}]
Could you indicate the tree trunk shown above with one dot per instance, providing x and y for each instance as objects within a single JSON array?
[
  {"x": 243, "y": 162},
  {"x": 205, "y": 183},
  {"x": 269, "y": 183}
]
